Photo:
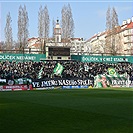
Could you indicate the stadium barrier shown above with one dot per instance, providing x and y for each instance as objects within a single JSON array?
[
  {"x": 59, "y": 83},
  {"x": 16, "y": 87},
  {"x": 75, "y": 87}
]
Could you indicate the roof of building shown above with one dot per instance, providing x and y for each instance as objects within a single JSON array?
[
  {"x": 130, "y": 25},
  {"x": 33, "y": 38},
  {"x": 98, "y": 34},
  {"x": 51, "y": 40},
  {"x": 36, "y": 45},
  {"x": 91, "y": 38},
  {"x": 118, "y": 29}
]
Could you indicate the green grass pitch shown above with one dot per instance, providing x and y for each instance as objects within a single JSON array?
[{"x": 67, "y": 111}]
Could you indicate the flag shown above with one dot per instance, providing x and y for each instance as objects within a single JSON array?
[
  {"x": 58, "y": 69},
  {"x": 112, "y": 72},
  {"x": 40, "y": 73}
]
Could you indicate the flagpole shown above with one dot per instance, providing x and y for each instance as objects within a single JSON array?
[
  {"x": 102, "y": 63},
  {"x": 23, "y": 63}
]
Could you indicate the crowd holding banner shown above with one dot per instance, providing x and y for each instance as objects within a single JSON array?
[
  {"x": 61, "y": 82},
  {"x": 64, "y": 74}
]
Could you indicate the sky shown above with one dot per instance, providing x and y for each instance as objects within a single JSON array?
[{"x": 89, "y": 16}]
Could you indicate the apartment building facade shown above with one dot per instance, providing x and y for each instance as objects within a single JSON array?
[
  {"x": 76, "y": 45},
  {"x": 123, "y": 41}
]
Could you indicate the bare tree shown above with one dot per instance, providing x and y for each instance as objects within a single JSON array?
[
  {"x": 40, "y": 26},
  {"x": 53, "y": 23},
  {"x": 20, "y": 28},
  {"x": 46, "y": 23},
  {"x": 102, "y": 46},
  {"x": 70, "y": 22},
  {"x": 112, "y": 29},
  {"x": 114, "y": 18},
  {"x": 40, "y": 23},
  {"x": 63, "y": 22},
  {"x": 108, "y": 19},
  {"x": 2, "y": 45},
  {"x": 25, "y": 26},
  {"x": 23, "y": 32},
  {"x": 43, "y": 25},
  {"x": 67, "y": 22},
  {"x": 8, "y": 33},
  {"x": 46, "y": 27}
]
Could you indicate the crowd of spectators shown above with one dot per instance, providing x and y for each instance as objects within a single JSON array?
[{"x": 72, "y": 69}]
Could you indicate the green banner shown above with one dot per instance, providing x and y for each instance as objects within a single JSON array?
[
  {"x": 110, "y": 81},
  {"x": 22, "y": 57},
  {"x": 104, "y": 59},
  {"x": 58, "y": 69}
]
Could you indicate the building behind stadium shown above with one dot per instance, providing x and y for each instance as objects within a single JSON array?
[{"x": 76, "y": 46}]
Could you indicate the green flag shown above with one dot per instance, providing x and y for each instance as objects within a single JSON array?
[
  {"x": 112, "y": 72},
  {"x": 58, "y": 69},
  {"x": 40, "y": 73}
]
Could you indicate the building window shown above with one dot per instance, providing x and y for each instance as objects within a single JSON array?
[
  {"x": 49, "y": 57},
  {"x": 129, "y": 45},
  {"x": 58, "y": 57},
  {"x": 69, "y": 58},
  {"x": 57, "y": 38}
]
